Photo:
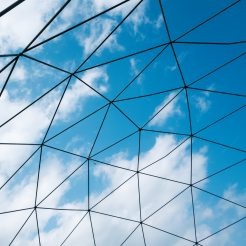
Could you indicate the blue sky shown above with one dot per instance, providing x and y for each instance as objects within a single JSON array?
[{"x": 112, "y": 124}]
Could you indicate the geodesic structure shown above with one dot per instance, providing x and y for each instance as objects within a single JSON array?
[{"x": 136, "y": 140}]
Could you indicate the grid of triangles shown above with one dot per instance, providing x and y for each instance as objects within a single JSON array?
[{"x": 121, "y": 115}]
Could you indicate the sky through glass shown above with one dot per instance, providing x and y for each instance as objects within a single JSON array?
[{"x": 122, "y": 122}]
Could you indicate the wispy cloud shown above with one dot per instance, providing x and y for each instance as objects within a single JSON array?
[
  {"x": 174, "y": 66},
  {"x": 167, "y": 109},
  {"x": 202, "y": 102}
]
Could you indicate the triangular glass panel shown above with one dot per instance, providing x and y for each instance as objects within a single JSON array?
[
  {"x": 81, "y": 233},
  {"x": 225, "y": 131},
  {"x": 58, "y": 222},
  {"x": 12, "y": 157},
  {"x": 213, "y": 213},
  {"x": 28, "y": 234},
  {"x": 168, "y": 158},
  {"x": 152, "y": 184},
  {"x": 200, "y": 60},
  {"x": 115, "y": 127},
  {"x": 208, "y": 107},
  {"x": 19, "y": 191},
  {"x": 181, "y": 18},
  {"x": 213, "y": 30},
  {"x": 79, "y": 136},
  {"x": 122, "y": 228},
  {"x": 136, "y": 236},
  {"x": 221, "y": 79},
  {"x": 108, "y": 182},
  {"x": 210, "y": 158},
  {"x": 229, "y": 184},
  {"x": 119, "y": 153},
  {"x": 55, "y": 167},
  {"x": 233, "y": 235},
  {"x": 156, "y": 237},
  {"x": 117, "y": 204},
  {"x": 176, "y": 217},
  {"x": 158, "y": 111},
  {"x": 11, "y": 223}
]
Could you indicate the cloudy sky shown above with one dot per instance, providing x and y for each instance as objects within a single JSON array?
[{"x": 122, "y": 123}]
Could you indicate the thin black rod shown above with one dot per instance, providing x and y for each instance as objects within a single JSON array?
[{"x": 10, "y": 7}]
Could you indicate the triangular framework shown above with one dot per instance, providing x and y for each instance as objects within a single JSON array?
[{"x": 100, "y": 156}]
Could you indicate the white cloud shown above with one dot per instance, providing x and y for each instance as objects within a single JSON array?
[
  {"x": 96, "y": 32},
  {"x": 120, "y": 205},
  {"x": 20, "y": 195},
  {"x": 70, "y": 13},
  {"x": 133, "y": 66},
  {"x": 135, "y": 20},
  {"x": 211, "y": 87},
  {"x": 202, "y": 103},
  {"x": 135, "y": 70},
  {"x": 172, "y": 68},
  {"x": 159, "y": 22},
  {"x": 138, "y": 17},
  {"x": 19, "y": 26},
  {"x": 169, "y": 111},
  {"x": 19, "y": 73}
]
